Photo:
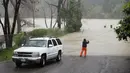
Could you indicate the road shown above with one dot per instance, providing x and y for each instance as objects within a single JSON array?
[{"x": 105, "y": 53}]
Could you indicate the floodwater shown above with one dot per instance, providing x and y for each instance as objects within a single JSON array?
[
  {"x": 40, "y": 23},
  {"x": 103, "y": 41}
]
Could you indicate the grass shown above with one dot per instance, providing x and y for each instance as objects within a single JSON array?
[{"x": 6, "y": 54}]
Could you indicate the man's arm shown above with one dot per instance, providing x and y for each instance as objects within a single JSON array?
[{"x": 87, "y": 41}]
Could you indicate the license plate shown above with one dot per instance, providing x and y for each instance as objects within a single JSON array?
[{"x": 23, "y": 60}]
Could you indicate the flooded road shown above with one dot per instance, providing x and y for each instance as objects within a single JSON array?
[{"x": 103, "y": 41}]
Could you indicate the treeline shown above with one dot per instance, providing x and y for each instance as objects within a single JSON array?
[
  {"x": 91, "y": 9},
  {"x": 103, "y": 9}
]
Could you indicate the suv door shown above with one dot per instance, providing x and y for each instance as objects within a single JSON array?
[
  {"x": 50, "y": 49},
  {"x": 60, "y": 46},
  {"x": 55, "y": 52}
]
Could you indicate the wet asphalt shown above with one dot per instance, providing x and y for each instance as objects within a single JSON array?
[
  {"x": 74, "y": 64},
  {"x": 105, "y": 53}
]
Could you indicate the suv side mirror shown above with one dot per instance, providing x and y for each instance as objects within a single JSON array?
[{"x": 50, "y": 45}]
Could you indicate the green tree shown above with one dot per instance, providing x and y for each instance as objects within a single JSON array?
[
  {"x": 123, "y": 30},
  {"x": 72, "y": 15}
]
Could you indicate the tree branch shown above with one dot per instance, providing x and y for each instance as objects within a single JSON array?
[
  {"x": 51, "y": 16},
  {"x": 3, "y": 27},
  {"x": 45, "y": 18},
  {"x": 54, "y": 24},
  {"x": 7, "y": 1},
  {"x": 51, "y": 4},
  {"x": 18, "y": 2},
  {"x": 7, "y": 17},
  {"x": 4, "y": 3},
  {"x": 27, "y": 4},
  {"x": 2, "y": 24},
  {"x": 63, "y": 4}
]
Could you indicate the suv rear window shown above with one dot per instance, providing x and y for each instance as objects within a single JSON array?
[
  {"x": 58, "y": 41},
  {"x": 54, "y": 42}
]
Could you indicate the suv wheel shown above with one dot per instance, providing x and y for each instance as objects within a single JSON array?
[
  {"x": 58, "y": 56},
  {"x": 18, "y": 64},
  {"x": 42, "y": 61}
]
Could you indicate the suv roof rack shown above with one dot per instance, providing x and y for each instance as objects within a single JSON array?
[{"x": 50, "y": 36}]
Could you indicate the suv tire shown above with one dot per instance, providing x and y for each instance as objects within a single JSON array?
[
  {"x": 43, "y": 61},
  {"x": 58, "y": 58},
  {"x": 18, "y": 64}
]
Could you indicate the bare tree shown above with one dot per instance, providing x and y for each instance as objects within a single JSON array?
[
  {"x": 52, "y": 12},
  {"x": 29, "y": 5},
  {"x": 60, "y": 2},
  {"x": 18, "y": 18},
  {"x": 45, "y": 17},
  {"x": 7, "y": 30}
]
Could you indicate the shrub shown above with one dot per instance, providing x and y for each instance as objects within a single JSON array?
[
  {"x": 123, "y": 30},
  {"x": 18, "y": 38},
  {"x": 55, "y": 32},
  {"x": 38, "y": 33},
  {"x": 46, "y": 32}
]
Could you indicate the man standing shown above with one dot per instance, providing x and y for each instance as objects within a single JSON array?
[{"x": 84, "y": 47}]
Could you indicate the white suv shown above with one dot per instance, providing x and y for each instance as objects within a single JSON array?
[{"x": 38, "y": 50}]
